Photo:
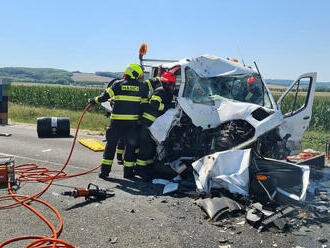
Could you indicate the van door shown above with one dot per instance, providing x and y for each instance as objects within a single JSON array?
[{"x": 296, "y": 106}]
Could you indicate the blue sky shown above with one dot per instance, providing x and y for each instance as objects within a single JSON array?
[{"x": 285, "y": 38}]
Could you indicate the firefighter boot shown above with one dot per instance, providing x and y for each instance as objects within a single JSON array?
[
  {"x": 128, "y": 172},
  {"x": 105, "y": 171},
  {"x": 145, "y": 172}
]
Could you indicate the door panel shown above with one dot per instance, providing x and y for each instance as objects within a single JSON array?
[{"x": 296, "y": 106}]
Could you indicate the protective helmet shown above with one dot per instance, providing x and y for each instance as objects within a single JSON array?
[
  {"x": 168, "y": 77},
  {"x": 251, "y": 83},
  {"x": 134, "y": 71},
  {"x": 251, "y": 80}
]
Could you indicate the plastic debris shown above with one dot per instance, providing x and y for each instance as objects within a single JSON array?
[
  {"x": 228, "y": 169},
  {"x": 113, "y": 240},
  {"x": 322, "y": 241},
  {"x": 92, "y": 144},
  {"x": 216, "y": 208},
  {"x": 5, "y": 134},
  {"x": 169, "y": 186},
  {"x": 278, "y": 214}
]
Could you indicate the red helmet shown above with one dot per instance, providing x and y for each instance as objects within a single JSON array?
[
  {"x": 168, "y": 77},
  {"x": 251, "y": 80}
]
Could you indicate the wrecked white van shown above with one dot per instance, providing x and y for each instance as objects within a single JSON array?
[
  {"x": 224, "y": 105},
  {"x": 221, "y": 105}
]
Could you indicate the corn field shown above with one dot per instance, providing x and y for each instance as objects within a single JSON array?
[
  {"x": 75, "y": 98},
  {"x": 59, "y": 97},
  {"x": 320, "y": 113}
]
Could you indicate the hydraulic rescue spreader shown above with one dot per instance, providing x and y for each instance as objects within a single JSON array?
[{"x": 90, "y": 194}]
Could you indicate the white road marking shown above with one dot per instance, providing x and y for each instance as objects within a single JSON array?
[
  {"x": 47, "y": 150},
  {"x": 43, "y": 161}
]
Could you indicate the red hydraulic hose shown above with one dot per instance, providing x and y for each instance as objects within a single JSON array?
[{"x": 31, "y": 172}]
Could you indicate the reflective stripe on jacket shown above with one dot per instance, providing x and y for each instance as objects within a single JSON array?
[
  {"x": 159, "y": 102},
  {"x": 152, "y": 84},
  {"x": 127, "y": 95}
]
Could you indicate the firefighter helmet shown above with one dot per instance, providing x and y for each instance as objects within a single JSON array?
[
  {"x": 251, "y": 80},
  {"x": 168, "y": 80},
  {"x": 168, "y": 77},
  {"x": 134, "y": 71}
]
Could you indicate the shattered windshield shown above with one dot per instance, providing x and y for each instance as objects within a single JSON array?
[{"x": 243, "y": 87}]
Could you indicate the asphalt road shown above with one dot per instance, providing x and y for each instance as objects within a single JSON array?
[{"x": 137, "y": 216}]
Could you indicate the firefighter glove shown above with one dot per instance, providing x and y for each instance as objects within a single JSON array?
[{"x": 92, "y": 101}]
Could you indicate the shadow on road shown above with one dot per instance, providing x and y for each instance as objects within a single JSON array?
[{"x": 137, "y": 186}]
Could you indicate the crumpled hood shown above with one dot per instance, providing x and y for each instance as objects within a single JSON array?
[
  {"x": 213, "y": 66},
  {"x": 208, "y": 116}
]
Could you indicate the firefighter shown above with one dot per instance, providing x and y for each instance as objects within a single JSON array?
[
  {"x": 252, "y": 93},
  {"x": 159, "y": 103},
  {"x": 108, "y": 114},
  {"x": 127, "y": 94},
  {"x": 121, "y": 143},
  {"x": 152, "y": 85}
]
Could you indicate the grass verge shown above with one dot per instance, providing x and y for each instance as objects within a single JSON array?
[{"x": 28, "y": 114}]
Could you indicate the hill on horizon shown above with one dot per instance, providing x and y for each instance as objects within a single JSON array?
[
  {"x": 38, "y": 75},
  {"x": 55, "y": 76},
  {"x": 59, "y": 76},
  {"x": 287, "y": 82}
]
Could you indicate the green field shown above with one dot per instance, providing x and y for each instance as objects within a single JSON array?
[
  {"x": 76, "y": 98},
  {"x": 29, "y": 114},
  {"x": 321, "y": 109},
  {"x": 51, "y": 96},
  {"x": 95, "y": 121},
  {"x": 28, "y": 102}
]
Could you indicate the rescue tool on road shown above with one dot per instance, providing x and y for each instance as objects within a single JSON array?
[
  {"x": 7, "y": 164},
  {"x": 91, "y": 193}
]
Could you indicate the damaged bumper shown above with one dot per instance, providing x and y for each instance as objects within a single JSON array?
[{"x": 242, "y": 172}]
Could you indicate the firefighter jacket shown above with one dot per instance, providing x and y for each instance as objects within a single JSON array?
[
  {"x": 152, "y": 84},
  {"x": 159, "y": 102},
  {"x": 128, "y": 96},
  {"x": 253, "y": 95}
]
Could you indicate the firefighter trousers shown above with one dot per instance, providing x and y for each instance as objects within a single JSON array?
[
  {"x": 147, "y": 148},
  {"x": 126, "y": 130},
  {"x": 120, "y": 150}
]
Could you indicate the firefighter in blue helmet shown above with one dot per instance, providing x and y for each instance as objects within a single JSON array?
[{"x": 127, "y": 94}]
